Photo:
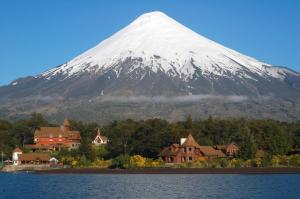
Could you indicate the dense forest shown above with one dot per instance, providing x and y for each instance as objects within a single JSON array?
[{"x": 148, "y": 137}]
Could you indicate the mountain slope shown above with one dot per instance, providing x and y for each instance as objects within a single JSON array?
[{"x": 156, "y": 59}]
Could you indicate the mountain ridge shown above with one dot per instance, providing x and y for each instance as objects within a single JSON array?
[{"x": 152, "y": 58}]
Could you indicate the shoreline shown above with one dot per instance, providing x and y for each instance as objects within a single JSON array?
[{"x": 281, "y": 170}]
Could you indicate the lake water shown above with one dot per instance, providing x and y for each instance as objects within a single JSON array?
[{"x": 46, "y": 186}]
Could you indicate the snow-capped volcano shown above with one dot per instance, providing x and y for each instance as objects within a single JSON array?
[
  {"x": 162, "y": 44},
  {"x": 157, "y": 60}
]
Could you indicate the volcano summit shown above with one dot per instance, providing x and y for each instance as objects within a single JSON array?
[{"x": 156, "y": 67}]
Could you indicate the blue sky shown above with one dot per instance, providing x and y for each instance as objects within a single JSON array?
[{"x": 38, "y": 35}]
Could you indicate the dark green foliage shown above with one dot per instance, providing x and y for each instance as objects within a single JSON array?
[
  {"x": 247, "y": 145},
  {"x": 121, "y": 162},
  {"x": 18, "y": 133},
  {"x": 87, "y": 130},
  {"x": 86, "y": 150},
  {"x": 267, "y": 160},
  {"x": 148, "y": 137}
]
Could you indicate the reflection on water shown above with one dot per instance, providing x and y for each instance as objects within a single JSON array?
[{"x": 24, "y": 185}]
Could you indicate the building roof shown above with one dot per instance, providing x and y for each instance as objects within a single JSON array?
[
  {"x": 36, "y": 146},
  {"x": 48, "y": 146},
  {"x": 210, "y": 151},
  {"x": 17, "y": 149},
  {"x": 226, "y": 146},
  {"x": 53, "y": 159},
  {"x": 190, "y": 142},
  {"x": 168, "y": 152},
  {"x": 102, "y": 137},
  {"x": 56, "y": 132},
  {"x": 34, "y": 157}
]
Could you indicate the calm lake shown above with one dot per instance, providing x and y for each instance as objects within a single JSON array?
[{"x": 27, "y": 185}]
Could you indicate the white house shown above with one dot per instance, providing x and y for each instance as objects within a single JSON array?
[
  {"x": 99, "y": 139},
  {"x": 15, "y": 155}
]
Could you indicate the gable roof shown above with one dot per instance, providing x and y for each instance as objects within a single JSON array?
[
  {"x": 210, "y": 151},
  {"x": 102, "y": 137},
  {"x": 56, "y": 132},
  {"x": 190, "y": 142},
  {"x": 227, "y": 146},
  {"x": 34, "y": 157}
]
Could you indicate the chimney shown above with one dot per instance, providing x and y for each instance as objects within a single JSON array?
[{"x": 182, "y": 140}]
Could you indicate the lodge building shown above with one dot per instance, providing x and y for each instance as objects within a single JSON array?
[
  {"x": 55, "y": 138},
  {"x": 20, "y": 158},
  {"x": 188, "y": 151}
]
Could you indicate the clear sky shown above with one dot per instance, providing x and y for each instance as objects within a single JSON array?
[{"x": 38, "y": 35}]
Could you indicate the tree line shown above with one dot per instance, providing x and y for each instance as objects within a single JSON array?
[{"x": 148, "y": 137}]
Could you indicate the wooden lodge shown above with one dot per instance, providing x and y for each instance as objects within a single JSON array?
[
  {"x": 188, "y": 151},
  {"x": 20, "y": 158},
  {"x": 55, "y": 138}
]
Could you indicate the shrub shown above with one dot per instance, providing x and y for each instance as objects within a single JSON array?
[
  {"x": 137, "y": 161},
  {"x": 294, "y": 160},
  {"x": 154, "y": 163},
  {"x": 102, "y": 163},
  {"x": 122, "y": 162}
]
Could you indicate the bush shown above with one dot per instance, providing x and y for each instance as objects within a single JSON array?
[
  {"x": 236, "y": 163},
  {"x": 154, "y": 163},
  {"x": 137, "y": 161},
  {"x": 223, "y": 162},
  {"x": 295, "y": 160},
  {"x": 122, "y": 162},
  {"x": 102, "y": 163}
]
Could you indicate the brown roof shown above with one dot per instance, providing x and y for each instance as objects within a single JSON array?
[
  {"x": 56, "y": 132},
  {"x": 190, "y": 142},
  {"x": 169, "y": 152},
  {"x": 34, "y": 157},
  {"x": 210, "y": 151},
  {"x": 35, "y": 146},
  {"x": 17, "y": 149},
  {"x": 175, "y": 145},
  {"x": 226, "y": 146}
]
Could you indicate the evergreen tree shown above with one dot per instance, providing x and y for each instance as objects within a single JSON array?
[{"x": 248, "y": 145}]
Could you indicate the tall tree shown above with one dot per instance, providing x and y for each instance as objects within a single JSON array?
[{"x": 248, "y": 145}]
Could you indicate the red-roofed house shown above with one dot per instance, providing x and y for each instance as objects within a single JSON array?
[
  {"x": 188, "y": 151},
  {"x": 55, "y": 138}
]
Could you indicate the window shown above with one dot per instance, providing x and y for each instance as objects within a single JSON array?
[
  {"x": 171, "y": 159},
  {"x": 190, "y": 158},
  {"x": 190, "y": 149}
]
